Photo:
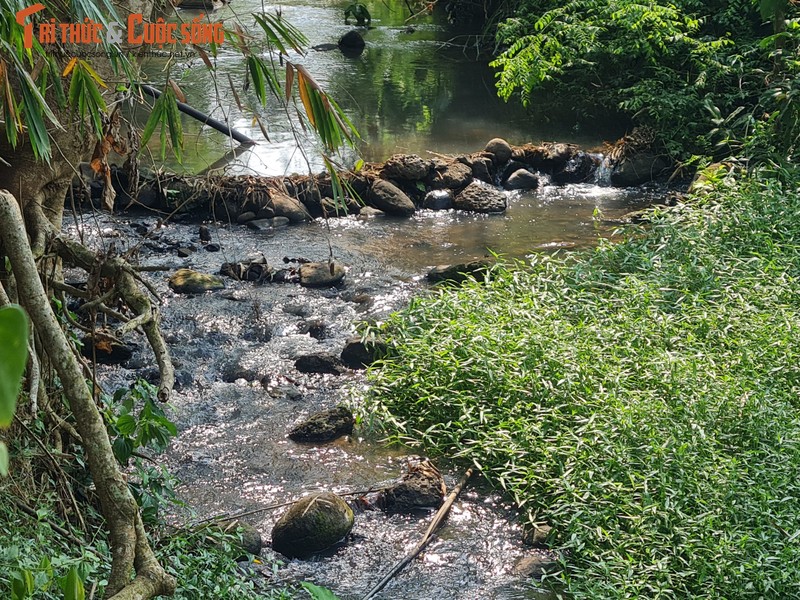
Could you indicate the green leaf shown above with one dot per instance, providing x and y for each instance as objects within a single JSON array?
[
  {"x": 72, "y": 586},
  {"x": 22, "y": 585},
  {"x": 126, "y": 424},
  {"x": 318, "y": 593},
  {"x": 3, "y": 460},
  {"x": 13, "y": 357}
]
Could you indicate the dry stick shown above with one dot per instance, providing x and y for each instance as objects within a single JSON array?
[{"x": 438, "y": 518}]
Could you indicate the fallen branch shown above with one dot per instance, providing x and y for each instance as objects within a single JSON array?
[{"x": 438, "y": 519}]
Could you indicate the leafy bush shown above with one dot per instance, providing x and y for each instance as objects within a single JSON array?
[
  {"x": 659, "y": 63},
  {"x": 642, "y": 398}
]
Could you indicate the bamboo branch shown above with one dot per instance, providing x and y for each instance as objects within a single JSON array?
[{"x": 438, "y": 519}]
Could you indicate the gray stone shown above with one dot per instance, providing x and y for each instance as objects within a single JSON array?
[
  {"x": 318, "y": 274},
  {"x": 249, "y": 536},
  {"x": 185, "y": 252},
  {"x": 368, "y": 212},
  {"x": 579, "y": 168},
  {"x": 522, "y": 179},
  {"x": 453, "y": 175},
  {"x": 421, "y": 487},
  {"x": 286, "y": 206},
  {"x": 245, "y": 217},
  {"x": 390, "y": 199},
  {"x": 188, "y": 281},
  {"x": 438, "y": 200},
  {"x": 406, "y": 166},
  {"x": 351, "y": 41},
  {"x": 324, "y": 426},
  {"x": 359, "y": 353},
  {"x": 320, "y": 362},
  {"x": 638, "y": 169},
  {"x": 500, "y": 148},
  {"x": 536, "y": 535},
  {"x": 478, "y": 197},
  {"x": 312, "y": 524},
  {"x": 482, "y": 169},
  {"x": 537, "y": 565}
]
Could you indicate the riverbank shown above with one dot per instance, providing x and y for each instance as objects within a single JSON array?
[{"x": 640, "y": 399}]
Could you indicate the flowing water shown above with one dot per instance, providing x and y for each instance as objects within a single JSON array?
[{"x": 413, "y": 90}]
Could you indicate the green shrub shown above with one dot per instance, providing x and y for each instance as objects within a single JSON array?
[{"x": 643, "y": 398}]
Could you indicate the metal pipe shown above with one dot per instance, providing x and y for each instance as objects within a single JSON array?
[{"x": 203, "y": 118}]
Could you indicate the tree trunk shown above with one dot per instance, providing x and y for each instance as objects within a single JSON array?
[{"x": 130, "y": 548}]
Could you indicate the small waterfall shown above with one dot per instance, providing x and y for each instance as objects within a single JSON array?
[{"x": 602, "y": 175}]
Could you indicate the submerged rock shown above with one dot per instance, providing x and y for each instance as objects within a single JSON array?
[
  {"x": 324, "y": 426},
  {"x": 266, "y": 224},
  {"x": 312, "y": 524},
  {"x": 320, "y": 362},
  {"x": 351, "y": 44},
  {"x": 438, "y": 200},
  {"x": 460, "y": 272},
  {"x": 189, "y": 281},
  {"x": 522, "y": 179},
  {"x": 421, "y": 487},
  {"x": 359, "y": 353},
  {"x": 317, "y": 274},
  {"x": 390, "y": 199},
  {"x": 478, "y": 197},
  {"x": 537, "y": 565}
]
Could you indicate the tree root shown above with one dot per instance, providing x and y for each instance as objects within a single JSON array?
[{"x": 126, "y": 285}]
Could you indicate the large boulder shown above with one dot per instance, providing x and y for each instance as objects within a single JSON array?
[
  {"x": 638, "y": 168},
  {"x": 501, "y": 150},
  {"x": 189, "y": 281},
  {"x": 482, "y": 198},
  {"x": 319, "y": 274},
  {"x": 579, "y": 168},
  {"x": 324, "y": 426},
  {"x": 453, "y": 175},
  {"x": 286, "y": 206},
  {"x": 390, "y": 199},
  {"x": 311, "y": 525},
  {"x": 406, "y": 166}
]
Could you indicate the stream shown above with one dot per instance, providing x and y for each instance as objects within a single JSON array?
[{"x": 238, "y": 392}]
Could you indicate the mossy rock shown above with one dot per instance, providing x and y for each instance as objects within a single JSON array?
[
  {"x": 188, "y": 281},
  {"x": 311, "y": 525}
]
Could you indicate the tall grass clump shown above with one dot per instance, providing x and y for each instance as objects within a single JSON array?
[{"x": 643, "y": 398}]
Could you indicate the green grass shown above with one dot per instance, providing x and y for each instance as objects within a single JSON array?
[
  {"x": 641, "y": 397},
  {"x": 203, "y": 562}
]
